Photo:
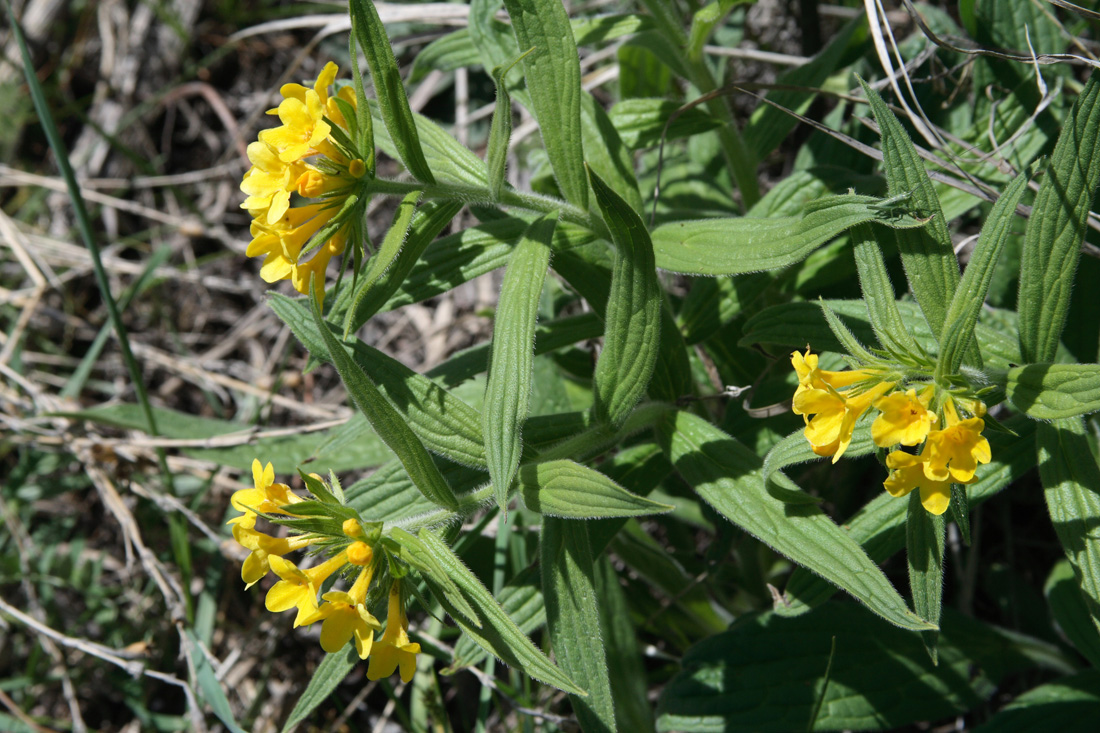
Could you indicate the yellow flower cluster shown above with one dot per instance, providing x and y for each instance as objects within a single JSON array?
[
  {"x": 832, "y": 402},
  {"x": 303, "y": 156},
  {"x": 344, "y": 614}
]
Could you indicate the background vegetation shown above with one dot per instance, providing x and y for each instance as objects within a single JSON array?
[{"x": 120, "y": 595}]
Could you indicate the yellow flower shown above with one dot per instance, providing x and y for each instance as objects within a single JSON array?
[
  {"x": 909, "y": 473},
  {"x": 303, "y": 128},
  {"x": 298, "y": 587},
  {"x": 279, "y": 168},
  {"x": 394, "y": 649},
  {"x": 267, "y": 496},
  {"x": 345, "y": 615},
  {"x": 831, "y": 414},
  {"x": 905, "y": 418},
  {"x": 263, "y": 547},
  {"x": 955, "y": 452}
]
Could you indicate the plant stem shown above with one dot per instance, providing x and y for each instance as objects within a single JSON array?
[{"x": 481, "y": 195}]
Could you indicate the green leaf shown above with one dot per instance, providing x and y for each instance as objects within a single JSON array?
[
  {"x": 795, "y": 449},
  {"x": 633, "y": 319},
  {"x": 641, "y": 122},
  {"x": 769, "y": 126},
  {"x": 962, "y": 314},
  {"x": 332, "y": 670},
  {"x": 445, "y": 424},
  {"x": 508, "y": 389},
  {"x": 625, "y": 668},
  {"x": 879, "y": 527},
  {"x": 924, "y": 540},
  {"x": 796, "y": 324},
  {"x": 847, "y": 339},
  {"x": 449, "y": 160},
  {"x": 590, "y": 31},
  {"x": 1068, "y": 608},
  {"x": 498, "y": 635},
  {"x": 500, "y": 130},
  {"x": 1052, "y": 244},
  {"x": 927, "y": 254},
  {"x": 878, "y": 293},
  {"x": 385, "y": 420},
  {"x": 522, "y": 601},
  {"x": 720, "y": 246},
  {"x": 563, "y": 488},
  {"x": 568, "y": 589},
  {"x": 606, "y": 154},
  {"x": 726, "y": 475},
  {"x": 371, "y": 34},
  {"x": 209, "y": 686},
  {"x": 1069, "y": 705},
  {"x": 553, "y": 74},
  {"x": 386, "y": 278},
  {"x": 1054, "y": 391},
  {"x": 416, "y": 554},
  {"x": 448, "y": 53},
  {"x": 767, "y": 673},
  {"x": 549, "y": 336},
  {"x": 384, "y": 258},
  {"x": 1071, "y": 483}
]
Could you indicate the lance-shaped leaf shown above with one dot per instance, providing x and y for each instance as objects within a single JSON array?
[
  {"x": 1070, "y": 611},
  {"x": 1054, "y": 391},
  {"x": 418, "y": 557},
  {"x": 879, "y": 527},
  {"x": 568, "y": 589},
  {"x": 606, "y": 154},
  {"x": 508, "y": 389},
  {"x": 924, "y": 538},
  {"x": 553, "y": 74},
  {"x": 1052, "y": 243},
  {"x": 381, "y": 260},
  {"x": 521, "y": 599},
  {"x": 633, "y": 321},
  {"x": 500, "y": 130},
  {"x": 563, "y": 488},
  {"x": 927, "y": 254},
  {"x": 1071, "y": 483},
  {"x": 396, "y": 113},
  {"x": 962, "y": 314},
  {"x": 878, "y": 293},
  {"x": 726, "y": 475},
  {"x": 447, "y": 425},
  {"x": 449, "y": 160},
  {"x": 498, "y": 634},
  {"x": 736, "y": 246},
  {"x": 385, "y": 420},
  {"x": 409, "y": 243}
]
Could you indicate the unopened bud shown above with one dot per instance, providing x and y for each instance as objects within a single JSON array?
[{"x": 359, "y": 553}]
